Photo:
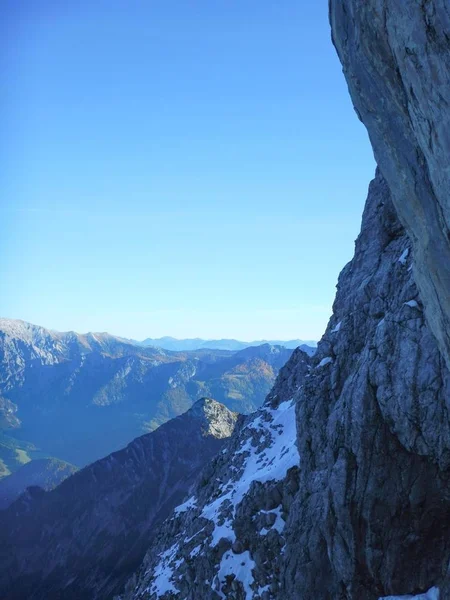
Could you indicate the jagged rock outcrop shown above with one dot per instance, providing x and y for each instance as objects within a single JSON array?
[
  {"x": 396, "y": 59},
  {"x": 83, "y": 539},
  {"x": 372, "y": 514}
]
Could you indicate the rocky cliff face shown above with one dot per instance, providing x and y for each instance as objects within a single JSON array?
[
  {"x": 396, "y": 59},
  {"x": 371, "y": 515},
  {"x": 83, "y": 539}
]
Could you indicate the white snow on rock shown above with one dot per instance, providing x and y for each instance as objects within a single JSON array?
[
  {"x": 432, "y": 594},
  {"x": 404, "y": 256},
  {"x": 325, "y": 361},
  {"x": 190, "y": 503},
  {"x": 195, "y": 551},
  {"x": 279, "y": 521},
  {"x": 162, "y": 582},
  {"x": 239, "y": 565},
  {"x": 263, "y": 462},
  {"x": 336, "y": 329},
  {"x": 266, "y": 451},
  {"x": 411, "y": 303}
]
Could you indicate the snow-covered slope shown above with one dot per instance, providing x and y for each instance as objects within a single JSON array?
[{"x": 223, "y": 535}]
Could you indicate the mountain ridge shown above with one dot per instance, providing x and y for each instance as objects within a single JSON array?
[
  {"x": 45, "y": 473},
  {"x": 22, "y": 328},
  {"x": 171, "y": 343},
  {"x": 84, "y": 537},
  {"x": 79, "y": 397}
]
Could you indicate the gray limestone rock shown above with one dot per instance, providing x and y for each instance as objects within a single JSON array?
[
  {"x": 396, "y": 59},
  {"x": 371, "y": 515}
]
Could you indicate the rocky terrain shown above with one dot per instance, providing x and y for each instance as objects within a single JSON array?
[
  {"x": 353, "y": 502},
  {"x": 85, "y": 537},
  {"x": 227, "y": 539},
  {"x": 79, "y": 397}
]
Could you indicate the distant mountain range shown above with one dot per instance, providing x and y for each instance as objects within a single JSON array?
[
  {"x": 85, "y": 538},
  {"x": 79, "y": 397},
  {"x": 170, "y": 343}
]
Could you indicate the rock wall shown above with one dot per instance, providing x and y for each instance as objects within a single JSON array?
[
  {"x": 396, "y": 59},
  {"x": 371, "y": 517}
]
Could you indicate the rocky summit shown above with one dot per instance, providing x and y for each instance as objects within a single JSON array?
[{"x": 84, "y": 538}]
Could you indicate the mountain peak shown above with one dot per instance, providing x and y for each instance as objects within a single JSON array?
[{"x": 218, "y": 420}]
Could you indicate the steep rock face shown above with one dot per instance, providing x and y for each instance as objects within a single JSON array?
[
  {"x": 227, "y": 540},
  {"x": 396, "y": 58},
  {"x": 371, "y": 515},
  {"x": 85, "y": 538}
]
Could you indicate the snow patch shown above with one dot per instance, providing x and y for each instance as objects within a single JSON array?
[
  {"x": 190, "y": 503},
  {"x": 404, "y": 256},
  {"x": 195, "y": 551},
  {"x": 336, "y": 329},
  {"x": 267, "y": 461},
  {"x": 163, "y": 573},
  {"x": 411, "y": 303},
  {"x": 432, "y": 594},
  {"x": 279, "y": 521},
  {"x": 325, "y": 361},
  {"x": 239, "y": 565}
]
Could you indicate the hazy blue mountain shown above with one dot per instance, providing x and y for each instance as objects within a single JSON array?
[
  {"x": 46, "y": 473},
  {"x": 80, "y": 397},
  {"x": 170, "y": 343}
]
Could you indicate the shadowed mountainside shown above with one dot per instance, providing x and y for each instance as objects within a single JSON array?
[{"x": 85, "y": 537}]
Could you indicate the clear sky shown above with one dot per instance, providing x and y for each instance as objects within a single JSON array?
[{"x": 185, "y": 168}]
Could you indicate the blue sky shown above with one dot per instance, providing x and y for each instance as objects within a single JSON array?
[{"x": 185, "y": 168}]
